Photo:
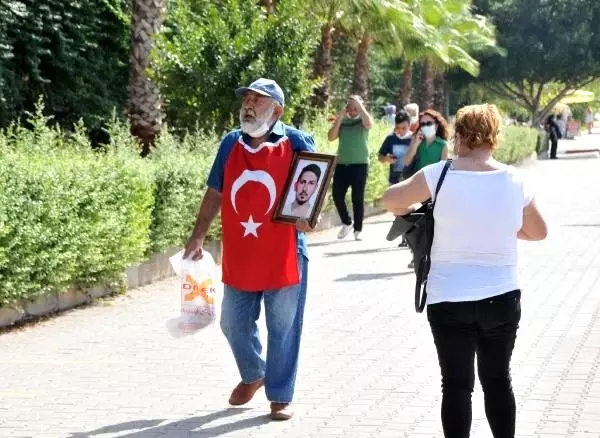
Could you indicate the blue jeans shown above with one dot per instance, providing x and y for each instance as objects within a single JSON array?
[{"x": 284, "y": 312}]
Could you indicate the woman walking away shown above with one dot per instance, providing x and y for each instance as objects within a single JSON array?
[{"x": 473, "y": 302}]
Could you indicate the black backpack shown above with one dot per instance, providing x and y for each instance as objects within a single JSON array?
[{"x": 417, "y": 228}]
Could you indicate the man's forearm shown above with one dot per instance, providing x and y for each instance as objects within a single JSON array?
[
  {"x": 334, "y": 132},
  {"x": 366, "y": 118},
  {"x": 209, "y": 209}
]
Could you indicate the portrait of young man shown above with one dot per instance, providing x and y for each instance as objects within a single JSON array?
[{"x": 305, "y": 188}]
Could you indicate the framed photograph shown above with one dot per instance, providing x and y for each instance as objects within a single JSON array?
[{"x": 306, "y": 187}]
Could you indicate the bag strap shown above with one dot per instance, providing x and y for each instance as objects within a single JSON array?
[
  {"x": 441, "y": 180},
  {"x": 421, "y": 299}
]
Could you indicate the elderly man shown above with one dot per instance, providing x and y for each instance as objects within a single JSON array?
[
  {"x": 262, "y": 260},
  {"x": 305, "y": 187}
]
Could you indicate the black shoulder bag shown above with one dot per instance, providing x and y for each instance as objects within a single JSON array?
[{"x": 418, "y": 233}]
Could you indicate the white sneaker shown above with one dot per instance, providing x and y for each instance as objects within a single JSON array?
[
  {"x": 346, "y": 229},
  {"x": 357, "y": 235}
]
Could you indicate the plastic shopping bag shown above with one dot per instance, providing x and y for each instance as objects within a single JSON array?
[{"x": 198, "y": 292}]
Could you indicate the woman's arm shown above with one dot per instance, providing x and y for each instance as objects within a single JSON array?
[
  {"x": 400, "y": 198},
  {"x": 534, "y": 226},
  {"x": 412, "y": 149}
]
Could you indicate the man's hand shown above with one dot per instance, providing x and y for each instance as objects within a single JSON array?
[
  {"x": 303, "y": 225},
  {"x": 342, "y": 114},
  {"x": 391, "y": 159},
  {"x": 193, "y": 247}
]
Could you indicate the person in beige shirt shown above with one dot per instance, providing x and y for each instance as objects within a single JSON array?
[{"x": 305, "y": 188}]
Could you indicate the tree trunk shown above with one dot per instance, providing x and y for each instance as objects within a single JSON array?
[
  {"x": 144, "y": 105},
  {"x": 405, "y": 95},
  {"x": 360, "y": 81},
  {"x": 269, "y": 6},
  {"x": 439, "y": 94},
  {"x": 323, "y": 67},
  {"x": 427, "y": 78}
]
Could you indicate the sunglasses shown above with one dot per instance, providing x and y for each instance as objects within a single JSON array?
[{"x": 426, "y": 123}]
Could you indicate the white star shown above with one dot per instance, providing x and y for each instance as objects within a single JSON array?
[{"x": 251, "y": 227}]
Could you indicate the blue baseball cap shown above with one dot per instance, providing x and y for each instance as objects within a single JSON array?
[{"x": 266, "y": 87}]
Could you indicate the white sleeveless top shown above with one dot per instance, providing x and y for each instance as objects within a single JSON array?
[{"x": 477, "y": 217}]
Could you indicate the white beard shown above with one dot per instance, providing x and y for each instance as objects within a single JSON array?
[{"x": 259, "y": 127}]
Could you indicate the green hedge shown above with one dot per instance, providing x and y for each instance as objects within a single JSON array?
[
  {"x": 68, "y": 216},
  {"x": 180, "y": 171},
  {"x": 72, "y": 216},
  {"x": 517, "y": 144}
]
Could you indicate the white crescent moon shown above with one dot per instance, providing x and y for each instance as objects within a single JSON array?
[{"x": 259, "y": 176}]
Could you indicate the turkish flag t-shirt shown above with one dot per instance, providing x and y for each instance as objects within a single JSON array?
[{"x": 258, "y": 254}]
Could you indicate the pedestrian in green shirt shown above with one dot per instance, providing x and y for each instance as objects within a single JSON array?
[
  {"x": 351, "y": 126},
  {"x": 430, "y": 144}
]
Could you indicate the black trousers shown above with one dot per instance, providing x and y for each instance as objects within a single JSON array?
[
  {"x": 553, "y": 145},
  {"x": 488, "y": 329},
  {"x": 350, "y": 176}
]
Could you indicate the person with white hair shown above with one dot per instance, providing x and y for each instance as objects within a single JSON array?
[
  {"x": 264, "y": 262},
  {"x": 413, "y": 111}
]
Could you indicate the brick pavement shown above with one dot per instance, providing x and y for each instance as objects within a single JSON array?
[{"x": 368, "y": 366}]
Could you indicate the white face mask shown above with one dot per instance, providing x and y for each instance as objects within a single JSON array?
[
  {"x": 429, "y": 131},
  {"x": 259, "y": 127}
]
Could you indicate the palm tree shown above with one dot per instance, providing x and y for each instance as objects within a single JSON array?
[
  {"x": 144, "y": 105},
  {"x": 329, "y": 13},
  {"x": 427, "y": 87},
  {"x": 462, "y": 33}
]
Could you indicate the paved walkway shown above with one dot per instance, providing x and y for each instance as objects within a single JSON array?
[{"x": 368, "y": 366}]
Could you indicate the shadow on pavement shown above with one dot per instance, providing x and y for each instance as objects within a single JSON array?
[
  {"x": 359, "y": 251},
  {"x": 379, "y": 221},
  {"x": 373, "y": 276},
  {"x": 326, "y": 243},
  {"x": 190, "y": 427}
]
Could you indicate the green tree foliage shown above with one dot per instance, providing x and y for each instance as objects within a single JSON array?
[
  {"x": 73, "y": 53},
  {"x": 210, "y": 48},
  {"x": 547, "y": 42}
]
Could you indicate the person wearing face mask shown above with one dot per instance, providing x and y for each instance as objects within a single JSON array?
[
  {"x": 430, "y": 144},
  {"x": 394, "y": 148},
  {"x": 263, "y": 261},
  {"x": 351, "y": 126}
]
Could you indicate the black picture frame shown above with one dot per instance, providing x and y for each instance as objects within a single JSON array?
[{"x": 285, "y": 209}]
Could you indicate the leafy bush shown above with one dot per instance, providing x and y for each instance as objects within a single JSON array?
[
  {"x": 517, "y": 144},
  {"x": 68, "y": 215},
  {"x": 180, "y": 171}
]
